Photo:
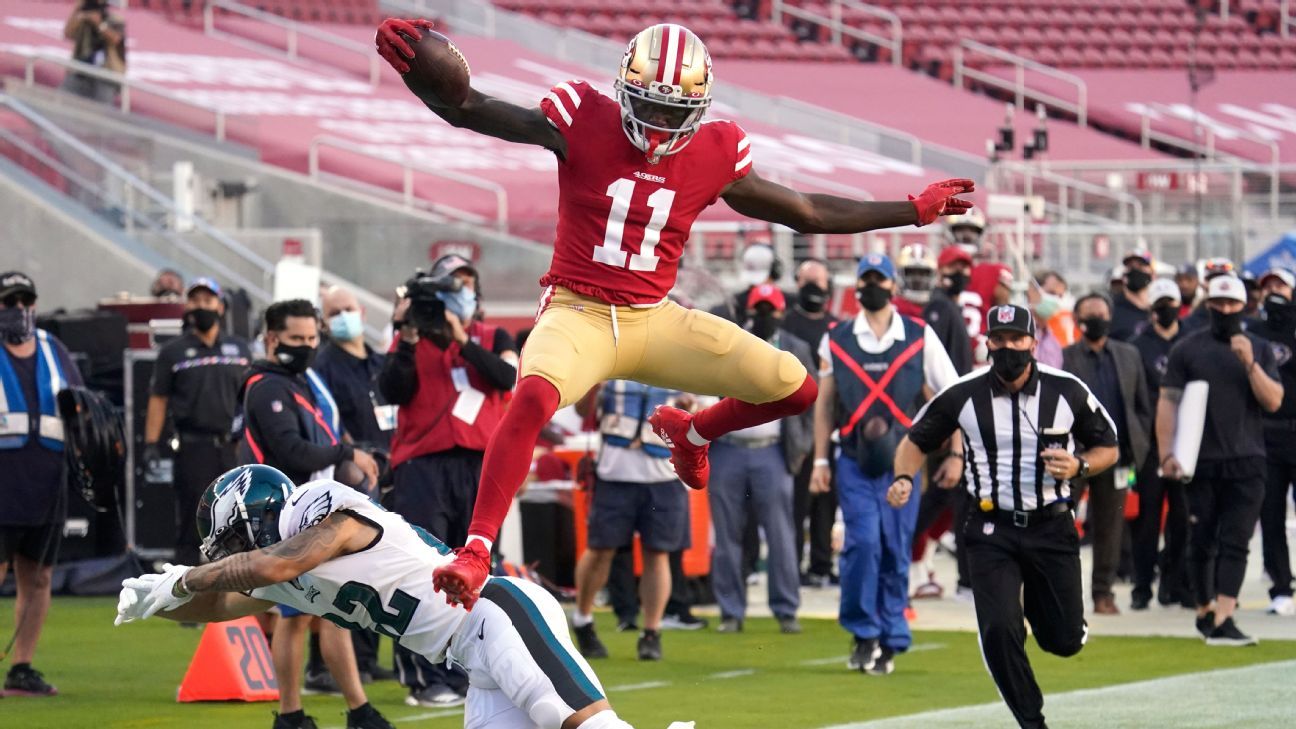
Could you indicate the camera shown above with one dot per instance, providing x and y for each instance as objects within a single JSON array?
[{"x": 427, "y": 310}]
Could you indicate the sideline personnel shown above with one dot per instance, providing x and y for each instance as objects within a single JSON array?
[{"x": 1023, "y": 550}]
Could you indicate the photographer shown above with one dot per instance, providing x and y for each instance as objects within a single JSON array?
[
  {"x": 448, "y": 372},
  {"x": 98, "y": 39}
]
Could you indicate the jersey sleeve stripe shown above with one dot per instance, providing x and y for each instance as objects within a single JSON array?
[
  {"x": 559, "y": 107},
  {"x": 743, "y": 162},
  {"x": 743, "y": 143},
  {"x": 571, "y": 93}
]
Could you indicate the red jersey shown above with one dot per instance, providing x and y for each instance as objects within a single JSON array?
[{"x": 623, "y": 222}]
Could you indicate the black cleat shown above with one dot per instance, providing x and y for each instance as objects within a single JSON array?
[
  {"x": 865, "y": 653},
  {"x": 650, "y": 646},
  {"x": 1206, "y": 624},
  {"x": 730, "y": 625},
  {"x": 685, "y": 620},
  {"x": 1227, "y": 634},
  {"x": 320, "y": 683},
  {"x": 23, "y": 680},
  {"x": 367, "y": 717},
  {"x": 294, "y": 720},
  {"x": 588, "y": 642},
  {"x": 1140, "y": 602},
  {"x": 884, "y": 664}
]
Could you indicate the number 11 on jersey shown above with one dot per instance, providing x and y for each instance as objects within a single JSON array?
[{"x": 610, "y": 252}]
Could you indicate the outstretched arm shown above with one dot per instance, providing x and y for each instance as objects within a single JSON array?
[
  {"x": 804, "y": 212},
  {"x": 479, "y": 112}
]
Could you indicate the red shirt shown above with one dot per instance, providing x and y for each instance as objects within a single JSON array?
[{"x": 623, "y": 222}]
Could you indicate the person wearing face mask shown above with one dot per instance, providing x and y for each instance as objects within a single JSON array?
[
  {"x": 1031, "y": 431},
  {"x": 196, "y": 382},
  {"x": 449, "y": 384},
  {"x": 874, "y": 375},
  {"x": 1129, "y": 314},
  {"x": 1277, "y": 325},
  {"x": 759, "y": 265},
  {"x": 1113, "y": 371},
  {"x": 1228, "y": 485},
  {"x": 813, "y": 514},
  {"x": 34, "y": 367},
  {"x": 954, "y": 270},
  {"x": 1189, "y": 284},
  {"x": 1158, "y": 494},
  {"x": 291, "y": 423},
  {"x": 756, "y": 464}
]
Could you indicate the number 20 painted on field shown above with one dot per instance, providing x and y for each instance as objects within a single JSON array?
[{"x": 610, "y": 252}]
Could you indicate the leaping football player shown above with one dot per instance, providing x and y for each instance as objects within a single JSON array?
[{"x": 633, "y": 174}]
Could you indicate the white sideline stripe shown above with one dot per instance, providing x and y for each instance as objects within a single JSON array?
[
  {"x": 638, "y": 686},
  {"x": 1253, "y": 696},
  {"x": 731, "y": 674},
  {"x": 558, "y": 104},
  {"x": 842, "y": 659}
]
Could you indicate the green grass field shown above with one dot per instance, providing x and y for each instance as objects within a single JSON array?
[{"x": 126, "y": 678}]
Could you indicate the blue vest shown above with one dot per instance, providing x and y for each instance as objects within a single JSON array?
[
  {"x": 896, "y": 403},
  {"x": 625, "y": 409},
  {"x": 16, "y": 416},
  {"x": 325, "y": 402}
]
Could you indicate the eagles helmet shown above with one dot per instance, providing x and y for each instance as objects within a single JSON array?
[
  {"x": 240, "y": 510},
  {"x": 664, "y": 88}
]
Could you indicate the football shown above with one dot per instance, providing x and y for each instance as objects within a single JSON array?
[{"x": 438, "y": 71}]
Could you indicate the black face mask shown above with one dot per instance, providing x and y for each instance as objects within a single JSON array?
[
  {"x": 1165, "y": 315},
  {"x": 957, "y": 283},
  {"x": 201, "y": 320},
  {"x": 1137, "y": 280},
  {"x": 1190, "y": 298},
  {"x": 873, "y": 297},
  {"x": 17, "y": 325},
  {"x": 764, "y": 325},
  {"x": 1279, "y": 311},
  {"x": 296, "y": 359},
  {"x": 1095, "y": 328},
  {"x": 1224, "y": 326},
  {"x": 1009, "y": 364},
  {"x": 812, "y": 298}
]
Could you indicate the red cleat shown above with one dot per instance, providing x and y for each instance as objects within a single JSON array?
[
  {"x": 462, "y": 579},
  {"x": 690, "y": 461}
]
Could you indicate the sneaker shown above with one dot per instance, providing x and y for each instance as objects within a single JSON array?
[
  {"x": 462, "y": 579},
  {"x": 1140, "y": 601},
  {"x": 730, "y": 625},
  {"x": 320, "y": 683},
  {"x": 1282, "y": 605},
  {"x": 864, "y": 654},
  {"x": 23, "y": 680},
  {"x": 588, "y": 642},
  {"x": 1227, "y": 633},
  {"x": 789, "y": 626},
  {"x": 367, "y": 717},
  {"x": 1206, "y": 624},
  {"x": 963, "y": 593},
  {"x": 436, "y": 696},
  {"x": 294, "y": 720},
  {"x": 683, "y": 621},
  {"x": 690, "y": 461},
  {"x": 929, "y": 590},
  {"x": 884, "y": 664},
  {"x": 377, "y": 673},
  {"x": 627, "y": 626},
  {"x": 650, "y": 646}
]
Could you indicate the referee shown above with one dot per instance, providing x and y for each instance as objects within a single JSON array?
[{"x": 1021, "y": 539}]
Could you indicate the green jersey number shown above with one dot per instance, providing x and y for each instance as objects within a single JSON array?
[{"x": 392, "y": 623}]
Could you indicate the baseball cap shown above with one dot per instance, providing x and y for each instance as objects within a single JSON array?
[
  {"x": 1281, "y": 274},
  {"x": 875, "y": 262},
  {"x": 953, "y": 254},
  {"x": 16, "y": 282},
  {"x": 1139, "y": 254},
  {"x": 450, "y": 263},
  {"x": 768, "y": 293},
  {"x": 1218, "y": 266},
  {"x": 1226, "y": 287},
  {"x": 202, "y": 282},
  {"x": 1009, "y": 318},
  {"x": 1188, "y": 269},
  {"x": 1164, "y": 288}
]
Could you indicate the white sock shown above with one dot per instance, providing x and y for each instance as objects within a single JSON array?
[
  {"x": 580, "y": 619},
  {"x": 606, "y": 719},
  {"x": 694, "y": 438},
  {"x": 485, "y": 542}
]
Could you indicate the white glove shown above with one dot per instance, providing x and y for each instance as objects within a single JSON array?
[
  {"x": 130, "y": 605},
  {"x": 157, "y": 591}
]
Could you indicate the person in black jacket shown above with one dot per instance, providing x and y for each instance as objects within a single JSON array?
[
  {"x": 1278, "y": 325},
  {"x": 287, "y": 425}
]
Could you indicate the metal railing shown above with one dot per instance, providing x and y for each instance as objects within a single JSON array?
[
  {"x": 128, "y": 88},
  {"x": 1285, "y": 18},
  {"x": 837, "y": 27},
  {"x": 293, "y": 30},
  {"x": 407, "y": 184},
  {"x": 258, "y": 290},
  {"x": 1017, "y": 86}
]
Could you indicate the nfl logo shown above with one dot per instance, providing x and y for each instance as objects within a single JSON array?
[
  {"x": 1006, "y": 314},
  {"x": 874, "y": 259}
]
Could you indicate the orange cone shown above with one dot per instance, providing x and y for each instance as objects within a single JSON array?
[{"x": 232, "y": 663}]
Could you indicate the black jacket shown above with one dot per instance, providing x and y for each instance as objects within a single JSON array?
[
  {"x": 280, "y": 429},
  {"x": 1139, "y": 416}
]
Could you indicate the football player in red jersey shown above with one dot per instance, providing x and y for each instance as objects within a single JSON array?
[{"x": 633, "y": 174}]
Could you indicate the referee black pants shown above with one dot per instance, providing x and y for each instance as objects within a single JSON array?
[{"x": 1034, "y": 572}]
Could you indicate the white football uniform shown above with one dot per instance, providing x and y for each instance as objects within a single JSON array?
[{"x": 523, "y": 670}]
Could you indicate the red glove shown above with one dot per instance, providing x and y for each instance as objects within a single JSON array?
[
  {"x": 392, "y": 45},
  {"x": 938, "y": 199}
]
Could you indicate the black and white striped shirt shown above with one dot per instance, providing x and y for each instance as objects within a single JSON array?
[{"x": 1001, "y": 432}]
